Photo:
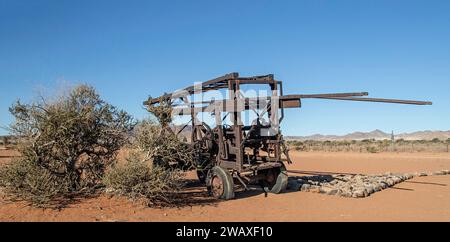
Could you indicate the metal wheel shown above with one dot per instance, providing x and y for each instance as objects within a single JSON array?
[
  {"x": 217, "y": 188},
  {"x": 220, "y": 183}
]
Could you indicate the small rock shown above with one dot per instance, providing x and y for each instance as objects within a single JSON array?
[
  {"x": 332, "y": 192},
  {"x": 396, "y": 180},
  {"x": 370, "y": 190},
  {"x": 305, "y": 187},
  {"x": 347, "y": 178},
  {"x": 422, "y": 174},
  {"x": 324, "y": 189},
  {"x": 334, "y": 182},
  {"x": 328, "y": 190},
  {"x": 359, "y": 194},
  {"x": 390, "y": 182},
  {"x": 346, "y": 194},
  {"x": 377, "y": 188},
  {"x": 314, "y": 188},
  {"x": 438, "y": 173}
]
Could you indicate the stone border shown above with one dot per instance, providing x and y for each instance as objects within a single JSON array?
[{"x": 354, "y": 186}]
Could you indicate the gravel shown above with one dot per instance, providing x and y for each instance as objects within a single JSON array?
[{"x": 353, "y": 185}]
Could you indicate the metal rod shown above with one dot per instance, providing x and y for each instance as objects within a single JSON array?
[
  {"x": 326, "y": 95},
  {"x": 379, "y": 100},
  {"x": 291, "y": 97}
]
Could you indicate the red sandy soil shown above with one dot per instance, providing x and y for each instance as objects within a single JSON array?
[{"x": 419, "y": 199}]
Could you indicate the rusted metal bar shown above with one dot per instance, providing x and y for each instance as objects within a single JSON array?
[
  {"x": 289, "y": 97},
  {"x": 327, "y": 95},
  {"x": 379, "y": 100},
  {"x": 214, "y": 84}
]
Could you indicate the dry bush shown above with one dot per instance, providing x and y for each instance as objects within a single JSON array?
[
  {"x": 162, "y": 111},
  {"x": 25, "y": 180},
  {"x": 161, "y": 146},
  {"x": 137, "y": 180},
  {"x": 65, "y": 145},
  {"x": 152, "y": 172},
  {"x": 159, "y": 143}
]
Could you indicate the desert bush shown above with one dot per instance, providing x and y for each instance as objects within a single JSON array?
[
  {"x": 65, "y": 143},
  {"x": 299, "y": 146},
  {"x": 371, "y": 149},
  {"x": 436, "y": 140},
  {"x": 159, "y": 143},
  {"x": 26, "y": 180},
  {"x": 138, "y": 180},
  {"x": 162, "y": 111},
  {"x": 152, "y": 172},
  {"x": 162, "y": 146}
]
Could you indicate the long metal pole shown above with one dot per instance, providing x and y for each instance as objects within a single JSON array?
[{"x": 379, "y": 100}]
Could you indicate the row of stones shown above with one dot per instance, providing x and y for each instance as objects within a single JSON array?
[{"x": 355, "y": 186}]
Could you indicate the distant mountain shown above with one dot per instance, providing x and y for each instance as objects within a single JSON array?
[{"x": 377, "y": 135}]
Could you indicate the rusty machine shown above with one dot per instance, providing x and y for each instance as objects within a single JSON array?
[{"x": 234, "y": 151}]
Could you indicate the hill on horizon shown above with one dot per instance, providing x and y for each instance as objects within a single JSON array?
[{"x": 377, "y": 135}]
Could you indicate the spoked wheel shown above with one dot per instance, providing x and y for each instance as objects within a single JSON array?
[
  {"x": 220, "y": 183},
  {"x": 217, "y": 187},
  {"x": 276, "y": 180}
]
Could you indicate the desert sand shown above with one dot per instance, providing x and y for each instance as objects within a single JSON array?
[{"x": 419, "y": 199}]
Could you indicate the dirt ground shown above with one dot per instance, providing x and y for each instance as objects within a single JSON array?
[{"x": 419, "y": 199}]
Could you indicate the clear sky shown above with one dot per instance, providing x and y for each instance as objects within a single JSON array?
[{"x": 131, "y": 49}]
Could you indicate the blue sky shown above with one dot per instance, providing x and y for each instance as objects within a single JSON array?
[{"x": 131, "y": 49}]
